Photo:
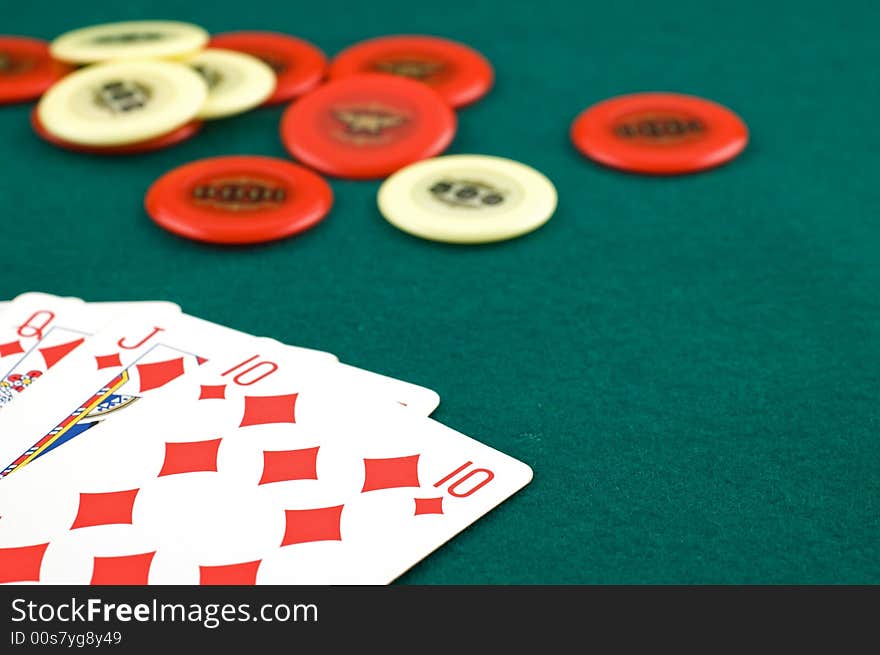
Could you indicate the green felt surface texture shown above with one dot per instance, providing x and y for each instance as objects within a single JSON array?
[{"x": 691, "y": 365}]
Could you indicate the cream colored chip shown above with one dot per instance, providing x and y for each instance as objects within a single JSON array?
[
  {"x": 122, "y": 102},
  {"x": 236, "y": 81},
  {"x": 139, "y": 39},
  {"x": 467, "y": 199}
]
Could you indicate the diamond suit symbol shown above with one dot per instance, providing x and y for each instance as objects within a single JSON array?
[
  {"x": 190, "y": 457},
  {"x": 124, "y": 570},
  {"x": 105, "y": 508},
  {"x": 212, "y": 392},
  {"x": 158, "y": 374},
  {"x": 305, "y": 525},
  {"x": 108, "y": 361},
  {"x": 429, "y": 506},
  {"x": 230, "y": 574},
  {"x": 391, "y": 472},
  {"x": 21, "y": 564},
  {"x": 54, "y": 354},
  {"x": 11, "y": 348},
  {"x": 260, "y": 410},
  {"x": 280, "y": 466}
]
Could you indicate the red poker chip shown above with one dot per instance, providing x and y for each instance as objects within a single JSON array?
[
  {"x": 659, "y": 133},
  {"x": 26, "y": 69},
  {"x": 299, "y": 66},
  {"x": 167, "y": 140},
  {"x": 460, "y": 74},
  {"x": 367, "y": 126},
  {"x": 238, "y": 199}
]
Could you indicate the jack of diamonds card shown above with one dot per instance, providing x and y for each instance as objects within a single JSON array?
[{"x": 256, "y": 472}]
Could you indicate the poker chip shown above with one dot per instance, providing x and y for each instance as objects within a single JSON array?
[
  {"x": 158, "y": 143},
  {"x": 236, "y": 81},
  {"x": 460, "y": 74},
  {"x": 467, "y": 199},
  {"x": 238, "y": 200},
  {"x": 367, "y": 126},
  {"x": 140, "y": 39},
  {"x": 122, "y": 102},
  {"x": 298, "y": 65},
  {"x": 659, "y": 133},
  {"x": 26, "y": 69}
]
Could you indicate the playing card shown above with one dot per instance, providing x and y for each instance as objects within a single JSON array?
[
  {"x": 263, "y": 474},
  {"x": 39, "y": 330}
]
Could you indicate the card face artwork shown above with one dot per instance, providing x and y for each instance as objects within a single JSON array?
[
  {"x": 254, "y": 468},
  {"x": 34, "y": 336},
  {"x": 38, "y": 330}
]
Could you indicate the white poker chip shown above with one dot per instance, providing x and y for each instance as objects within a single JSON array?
[
  {"x": 236, "y": 81},
  {"x": 138, "y": 39},
  {"x": 467, "y": 199},
  {"x": 122, "y": 102}
]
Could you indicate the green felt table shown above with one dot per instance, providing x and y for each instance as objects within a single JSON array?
[{"x": 691, "y": 365}]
